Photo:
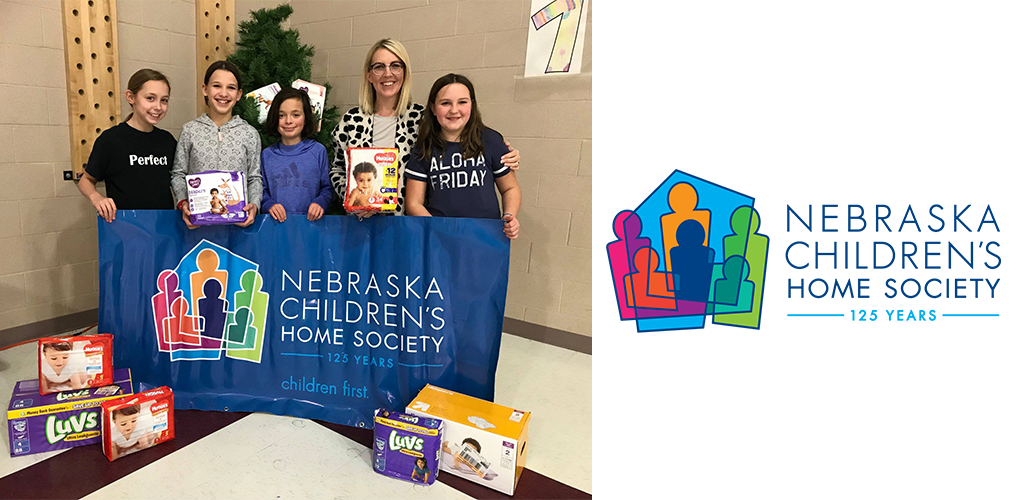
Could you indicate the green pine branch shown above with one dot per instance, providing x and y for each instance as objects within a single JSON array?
[{"x": 267, "y": 53}]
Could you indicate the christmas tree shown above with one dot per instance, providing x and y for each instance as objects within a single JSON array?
[{"x": 266, "y": 53}]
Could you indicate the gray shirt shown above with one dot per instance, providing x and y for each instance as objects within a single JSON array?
[
  {"x": 384, "y": 131},
  {"x": 202, "y": 146}
]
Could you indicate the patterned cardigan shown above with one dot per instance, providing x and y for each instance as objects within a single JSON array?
[{"x": 355, "y": 130}]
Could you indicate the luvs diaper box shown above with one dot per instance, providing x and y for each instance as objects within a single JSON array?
[
  {"x": 406, "y": 446},
  {"x": 38, "y": 423},
  {"x": 216, "y": 197},
  {"x": 75, "y": 363},
  {"x": 136, "y": 422},
  {"x": 482, "y": 442}
]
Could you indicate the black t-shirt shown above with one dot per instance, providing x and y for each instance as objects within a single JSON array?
[
  {"x": 458, "y": 186},
  {"x": 136, "y": 166}
]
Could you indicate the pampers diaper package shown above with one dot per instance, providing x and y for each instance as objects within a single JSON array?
[
  {"x": 406, "y": 446},
  {"x": 372, "y": 179},
  {"x": 73, "y": 363},
  {"x": 216, "y": 197},
  {"x": 483, "y": 442},
  {"x": 136, "y": 422},
  {"x": 38, "y": 423}
]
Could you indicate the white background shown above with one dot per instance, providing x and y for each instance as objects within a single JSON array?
[{"x": 811, "y": 103}]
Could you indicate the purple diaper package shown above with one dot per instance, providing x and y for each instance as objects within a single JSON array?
[
  {"x": 216, "y": 197},
  {"x": 38, "y": 423},
  {"x": 406, "y": 446}
]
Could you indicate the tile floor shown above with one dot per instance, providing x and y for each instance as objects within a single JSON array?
[{"x": 270, "y": 456}]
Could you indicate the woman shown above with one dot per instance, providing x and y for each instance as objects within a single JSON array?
[{"x": 386, "y": 116}]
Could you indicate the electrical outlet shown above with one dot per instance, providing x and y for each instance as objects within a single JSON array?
[{"x": 68, "y": 175}]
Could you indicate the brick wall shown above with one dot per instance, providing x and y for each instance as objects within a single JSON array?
[{"x": 547, "y": 119}]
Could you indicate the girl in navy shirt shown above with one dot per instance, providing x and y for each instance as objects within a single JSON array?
[{"x": 456, "y": 163}]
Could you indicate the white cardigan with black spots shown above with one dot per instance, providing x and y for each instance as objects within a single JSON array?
[{"x": 355, "y": 130}]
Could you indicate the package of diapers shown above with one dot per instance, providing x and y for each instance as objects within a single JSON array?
[
  {"x": 406, "y": 446},
  {"x": 484, "y": 442},
  {"x": 75, "y": 363},
  {"x": 216, "y": 197},
  {"x": 372, "y": 179},
  {"x": 38, "y": 423},
  {"x": 136, "y": 422}
]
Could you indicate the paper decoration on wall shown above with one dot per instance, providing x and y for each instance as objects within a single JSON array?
[{"x": 557, "y": 30}]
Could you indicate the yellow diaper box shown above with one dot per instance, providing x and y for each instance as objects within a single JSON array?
[{"x": 482, "y": 442}]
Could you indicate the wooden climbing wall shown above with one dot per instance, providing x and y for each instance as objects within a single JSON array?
[
  {"x": 215, "y": 38},
  {"x": 90, "y": 55}
]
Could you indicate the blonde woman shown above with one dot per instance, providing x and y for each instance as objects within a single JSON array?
[{"x": 386, "y": 116}]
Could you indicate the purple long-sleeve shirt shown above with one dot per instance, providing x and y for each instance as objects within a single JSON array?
[{"x": 295, "y": 176}]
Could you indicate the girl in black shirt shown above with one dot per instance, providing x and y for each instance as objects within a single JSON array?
[{"x": 134, "y": 158}]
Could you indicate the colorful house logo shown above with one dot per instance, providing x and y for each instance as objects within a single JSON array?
[
  {"x": 689, "y": 251},
  {"x": 212, "y": 303}
]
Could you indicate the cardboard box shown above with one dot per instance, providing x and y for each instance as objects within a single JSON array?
[
  {"x": 75, "y": 363},
  {"x": 38, "y": 423},
  {"x": 136, "y": 422},
  {"x": 372, "y": 179},
  {"x": 482, "y": 442},
  {"x": 216, "y": 197}
]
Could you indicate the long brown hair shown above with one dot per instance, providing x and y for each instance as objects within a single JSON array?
[
  {"x": 140, "y": 78},
  {"x": 430, "y": 130}
]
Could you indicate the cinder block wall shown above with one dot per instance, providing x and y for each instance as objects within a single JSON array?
[
  {"x": 47, "y": 229},
  {"x": 547, "y": 119},
  {"x": 48, "y": 247},
  {"x": 161, "y": 34}
]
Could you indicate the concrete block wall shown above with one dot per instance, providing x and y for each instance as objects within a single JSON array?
[
  {"x": 161, "y": 34},
  {"x": 47, "y": 229},
  {"x": 48, "y": 246},
  {"x": 547, "y": 119}
]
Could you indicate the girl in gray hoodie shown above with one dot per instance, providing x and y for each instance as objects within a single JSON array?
[{"x": 219, "y": 141}]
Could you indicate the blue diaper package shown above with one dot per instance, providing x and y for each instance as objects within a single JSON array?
[{"x": 406, "y": 446}]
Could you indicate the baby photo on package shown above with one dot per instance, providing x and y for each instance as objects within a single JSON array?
[
  {"x": 405, "y": 446},
  {"x": 216, "y": 197},
  {"x": 372, "y": 179},
  {"x": 73, "y": 363},
  {"x": 137, "y": 422}
]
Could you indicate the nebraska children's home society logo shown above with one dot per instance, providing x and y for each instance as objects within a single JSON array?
[
  {"x": 689, "y": 251},
  {"x": 212, "y": 303}
]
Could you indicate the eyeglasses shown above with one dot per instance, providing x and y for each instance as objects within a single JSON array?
[{"x": 396, "y": 68}]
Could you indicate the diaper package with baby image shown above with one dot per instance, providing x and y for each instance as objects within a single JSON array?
[
  {"x": 482, "y": 442},
  {"x": 216, "y": 197},
  {"x": 75, "y": 363},
  {"x": 406, "y": 446},
  {"x": 136, "y": 422},
  {"x": 38, "y": 423},
  {"x": 372, "y": 179}
]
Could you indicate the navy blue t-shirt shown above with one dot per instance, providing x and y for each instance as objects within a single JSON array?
[{"x": 459, "y": 186}]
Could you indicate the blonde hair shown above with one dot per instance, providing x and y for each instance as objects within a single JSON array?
[{"x": 367, "y": 96}]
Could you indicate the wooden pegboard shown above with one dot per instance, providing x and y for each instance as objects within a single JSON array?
[
  {"x": 90, "y": 55},
  {"x": 215, "y": 38}
]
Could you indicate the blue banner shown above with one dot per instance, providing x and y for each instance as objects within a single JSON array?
[{"x": 328, "y": 319}]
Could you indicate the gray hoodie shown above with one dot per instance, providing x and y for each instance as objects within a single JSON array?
[{"x": 235, "y": 146}]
